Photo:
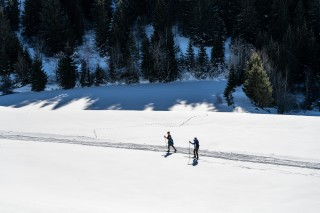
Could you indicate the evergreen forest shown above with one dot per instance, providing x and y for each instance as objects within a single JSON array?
[{"x": 275, "y": 45}]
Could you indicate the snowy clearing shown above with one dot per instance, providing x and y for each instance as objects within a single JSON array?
[{"x": 57, "y": 154}]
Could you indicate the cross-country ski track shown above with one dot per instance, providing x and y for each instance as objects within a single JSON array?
[{"x": 87, "y": 141}]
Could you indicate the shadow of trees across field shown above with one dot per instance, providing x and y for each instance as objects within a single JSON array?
[{"x": 200, "y": 96}]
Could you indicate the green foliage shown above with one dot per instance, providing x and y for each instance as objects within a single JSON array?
[
  {"x": 147, "y": 64},
  {"x": 247, "y": 21},
  {"x": 23, "y": 68},
  {"x": 76, "y": 17},
  {"x": 31, "y": 18},
  {"x": 85, "y": 75},
  {"x": 257, "y": 85},
  {"x": 9, "y": 45},
  {"x": 38, "y": 77},
  {"x": 102, "y": 16},
  {"x": 55, "y": 29},
  {"x": 66, "y": 72},
  {"x": 6, "y": 84},
  {"x": 202, "y": 65},
  {"x": 230, "y": 88},
  {"x": 12, "y": 11},
  {"x": 99, "y": 76},
  {"x": 190, "y": 62}
]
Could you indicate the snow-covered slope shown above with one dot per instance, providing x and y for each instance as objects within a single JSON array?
[{"x": 62, "y": 151}]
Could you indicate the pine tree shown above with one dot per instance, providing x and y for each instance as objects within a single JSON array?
[
  {"x": 38, "y": 77},
  {"x": 201, "y": 71},
  {"x": 263, "y": 8},
  {"x": 314, "y": 17},
  {"x": 113, "y": 75},
  {"x": 85, "y": 75},
  {"x": 247, "y": 21},
  {"x": 299, "y": 19},
  {"x": 172, "y": 63},
  {"x": 131, "y": 75},
  {"x": 102, "y": 16},
  {"x": 31, "y": 18},
  {"x": 5, "y": 68},
  {"x": 23, "y": 68},
  {"x": 202, "y": 29},
  {"x": 99, "y": 76},
  {"x": 186, "y": 14},
  {"x": 119, "y": 35},
  {"x": 230, "y": 88},
  {"x": 257, "y": 85},
  {"x": 12, "y": 11},
  {"x": 9, "y": 44},
  {"x": 146, "y": 63},
  {"x": 75, "y": 14},
  {"x": 54, "y": 28},
  {"x": 190, "y": 58},
  {"x": 161, "y": 22},
  {"x": 6, "y": 84},
  {"x": 66, "y": 72},
  {"x": 280, "y": 18}
]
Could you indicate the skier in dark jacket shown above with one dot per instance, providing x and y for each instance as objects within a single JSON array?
[
  {"x": 196, "y": 148},
  {"x": 170, "y": 142}
]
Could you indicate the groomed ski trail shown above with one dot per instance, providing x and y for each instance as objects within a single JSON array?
[{"x": 87, "y": 141}]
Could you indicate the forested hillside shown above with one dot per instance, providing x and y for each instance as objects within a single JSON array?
[{"x": 275, "y": 45}]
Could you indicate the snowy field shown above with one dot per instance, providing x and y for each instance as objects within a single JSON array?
[{"x": 63, "y": 151}]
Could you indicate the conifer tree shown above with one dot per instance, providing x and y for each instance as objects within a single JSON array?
[
  {"x": 99, "y": 76},
  {"x": 186, "y": 14},
  {"x": 5, "y": 68},
  {"x": 230, "y": 88},
  {"x": 6, "y": 84},
  {"x": 54, "y": 26},
  {"x": 9, "y": 44},
  {"x": 190, "y": 58},
  {"x": 247, "y": 21},
  {"x": 76, "y": 17},
  {"x": 299, "y": 19},
  {"x": 280, "y": 18},
  {"x": 119, "y": 35},
  {"x": 202, "y": 66},
  {"x": 131, "y": 75},
  {"x": 38, "y": 76},
  {"x": 146, "y": 63},
  {"x": 202, "y": 29},
  {"x": 12, "y": 11},
  {"x": 314, "y": 17},
  {"x": 172, "y": 63},
  {"x": 23, "y": 67},
  {"x": 113, "y": 75},
  {"x": 85, "y": 75},
  {"x": 31, "y": 18},
  {"x": 161, "y": 21},
  {"x": 257, "y": 85},
  {"x": 102, "y": 18},
  {"x": 66, "y": 72}
]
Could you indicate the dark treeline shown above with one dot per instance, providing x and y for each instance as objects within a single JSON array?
[{"x": 275, "y": 44}]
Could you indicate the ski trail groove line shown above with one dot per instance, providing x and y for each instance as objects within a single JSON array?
[
  {"x": 158, "y": 148},
  {"x": 150, "y": 124}
]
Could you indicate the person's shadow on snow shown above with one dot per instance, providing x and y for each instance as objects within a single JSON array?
[
  {"x": 167, "y": 154},
  {"x": 195, "y": 162}
]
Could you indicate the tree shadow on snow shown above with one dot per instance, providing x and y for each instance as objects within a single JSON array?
[{"x": 194, "y": 95}]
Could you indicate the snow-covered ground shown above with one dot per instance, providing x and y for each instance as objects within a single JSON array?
[{"x": 102, "y": 149}]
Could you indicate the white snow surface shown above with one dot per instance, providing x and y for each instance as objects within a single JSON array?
[{"x": 102, "y": 149}]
